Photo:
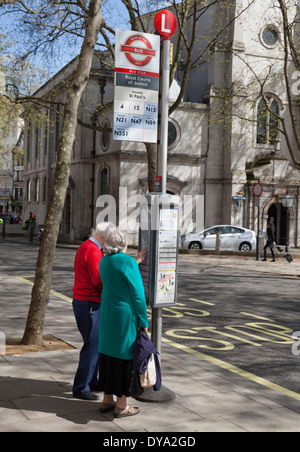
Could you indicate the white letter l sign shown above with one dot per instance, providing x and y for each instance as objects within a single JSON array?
[{"x": 163, "y": 24}]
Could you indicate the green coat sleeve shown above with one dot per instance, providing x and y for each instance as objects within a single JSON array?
[{"x": 136, "y": 288}]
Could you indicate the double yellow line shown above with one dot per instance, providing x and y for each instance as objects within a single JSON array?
[{"x": 233, "y": 369}]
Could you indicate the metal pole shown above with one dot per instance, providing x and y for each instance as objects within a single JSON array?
[
  {"x": 162, "y": 158},
  {"x": 287, "y": 231},
  {"x": 156, "y": 331},
  {"x": 258, "y": 231},
  {"x": 165, "y": 84},
  {"x": 166, "y": 29}
]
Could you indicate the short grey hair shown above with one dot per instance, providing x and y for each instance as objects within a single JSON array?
[
  {"x": 115, "y": 241},
  {"x": 102, "y": 229}
]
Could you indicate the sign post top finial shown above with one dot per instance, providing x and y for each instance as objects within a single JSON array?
[{"x": 165, "y": 23}]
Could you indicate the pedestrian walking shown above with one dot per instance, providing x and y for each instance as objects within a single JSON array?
[
  {"x": 123, "y": 312},
  {"x": 86, "y": 306},
  {"x": 270, "y": 241}
]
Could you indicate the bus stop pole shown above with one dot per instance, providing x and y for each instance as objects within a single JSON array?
[
  {"x": 164, "y": 394},
  {"x": 258, "y": 230},
  {"x": 163, "y": 148},
  {"x": 156, "y": 332}
]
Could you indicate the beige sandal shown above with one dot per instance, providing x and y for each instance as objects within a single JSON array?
[{"x": 128, "y": 411}]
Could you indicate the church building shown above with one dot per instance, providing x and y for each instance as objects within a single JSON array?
[{"x": 226, "y": 136}]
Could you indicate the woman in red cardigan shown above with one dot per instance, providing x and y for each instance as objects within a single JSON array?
[{"x": 86, "y": 306}]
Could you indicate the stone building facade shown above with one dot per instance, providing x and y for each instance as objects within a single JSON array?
[{"x": 223, "y": 138}]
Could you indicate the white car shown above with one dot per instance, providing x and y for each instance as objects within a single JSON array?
[{"x": 232, "y": 238}]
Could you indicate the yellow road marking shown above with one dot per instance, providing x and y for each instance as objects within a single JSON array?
[
  {"x": 62, "y": 296},
  {"x": 52, "y": 292},
  {"x": 255, "y": 316},
  {"x": 234, "y": 369},
  {"x": 201, "y": 301}
]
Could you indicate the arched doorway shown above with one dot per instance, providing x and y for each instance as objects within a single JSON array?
[
  {"x": 284, "y": 226},
  {"x": 279, "y": 215},
  {"x": 273, "y": 217}
]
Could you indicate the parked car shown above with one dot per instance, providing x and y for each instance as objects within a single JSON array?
[{"x": 232, "y": 238}]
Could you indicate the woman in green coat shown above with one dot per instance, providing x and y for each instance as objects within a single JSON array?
[{"x": 123, "y": 311}]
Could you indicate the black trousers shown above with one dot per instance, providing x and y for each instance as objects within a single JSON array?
[{"x": 271, "y": 246}]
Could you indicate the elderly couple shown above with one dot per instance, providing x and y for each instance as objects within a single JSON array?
[{"x": 105, "y": 276}]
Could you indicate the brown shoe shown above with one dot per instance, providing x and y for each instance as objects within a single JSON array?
[
  {"x": 128, "y": 411},
  {"x": 106, "y": 407}
]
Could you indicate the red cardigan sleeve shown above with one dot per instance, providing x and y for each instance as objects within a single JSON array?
[{"x": 93, "y": 261}]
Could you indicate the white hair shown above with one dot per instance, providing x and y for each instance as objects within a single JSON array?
[
  {"x": 102, "y": 229},
  {"x": 115, "y": 241}
]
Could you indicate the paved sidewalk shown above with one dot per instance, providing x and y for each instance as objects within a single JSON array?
[{"x": 36, "y": 388}]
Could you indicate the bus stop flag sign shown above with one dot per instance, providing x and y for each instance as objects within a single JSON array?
[
  {"x": 165, "y": 23},
  {"x": 136, "y": 86}
]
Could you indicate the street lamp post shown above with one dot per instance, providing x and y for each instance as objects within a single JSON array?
[{"x": 287, "y": 202}]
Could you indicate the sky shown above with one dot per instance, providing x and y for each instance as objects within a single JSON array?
[{"x": 114, "y": 13}]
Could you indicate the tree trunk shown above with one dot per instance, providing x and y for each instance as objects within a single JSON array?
[
  {"x": 152, "y": 164},
  {"x": 33, "y": 334}
]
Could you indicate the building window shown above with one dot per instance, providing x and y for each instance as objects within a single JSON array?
[
  {"x": 104, "y": 187},
  {"x": 45, "y": 189},
  {"x": 37, "y": 141},
  {"x": 105, "y": 138},
  {"x": 46, "y": 134},
  {"x": 270, "y": 36},
  {"x": 37, "y": 190},
  {"x": 173, "y": 133},
  {"x": 28, "y": 142},
  {"x": 267, "y": 121},
  {"x": 29, "y": 190}
]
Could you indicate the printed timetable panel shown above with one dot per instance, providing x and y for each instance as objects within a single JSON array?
[
  {"x": 135, "y": 115},
  {"x": 159, "y": 235},
  {"x": 167, "y": 257}
]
